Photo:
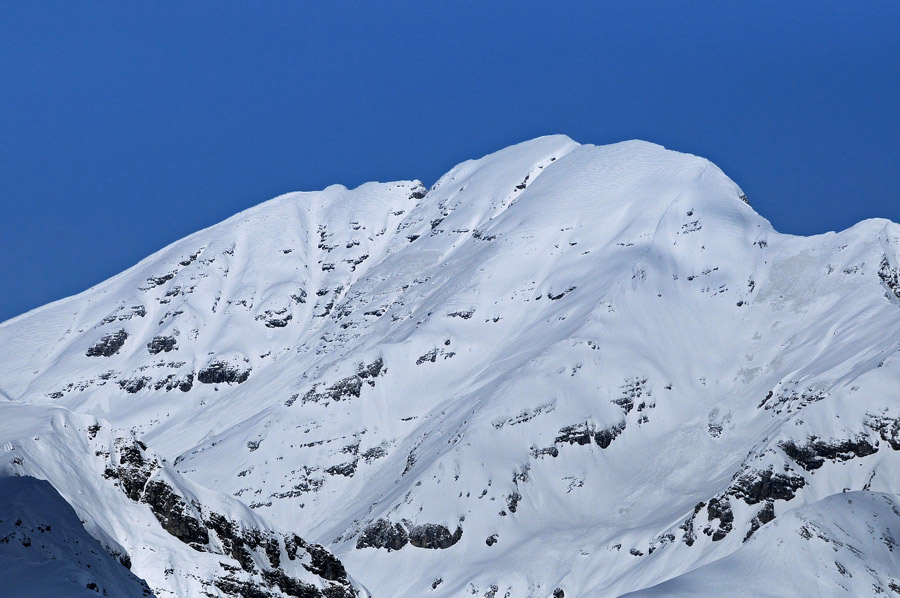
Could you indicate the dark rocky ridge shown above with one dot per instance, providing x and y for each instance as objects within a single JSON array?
[{"x": 142, "y": 478}]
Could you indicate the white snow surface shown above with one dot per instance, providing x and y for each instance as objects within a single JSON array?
[{"x": 597, "y": 362}]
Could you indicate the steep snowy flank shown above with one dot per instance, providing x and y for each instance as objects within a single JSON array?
[
  {"x": 563, "y": 370},
  {"x": 183, "y": 539},
  {"x": 46, "y": 552}
]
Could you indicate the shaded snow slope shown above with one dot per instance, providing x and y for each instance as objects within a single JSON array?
[
  {"x": 562, "y": 367},
  {"x": 46, "y": 552}
]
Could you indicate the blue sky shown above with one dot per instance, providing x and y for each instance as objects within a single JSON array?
[{"x": 125, "y": 126}]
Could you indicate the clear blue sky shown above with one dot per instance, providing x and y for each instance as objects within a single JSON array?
[{"x": 125, "y": 126}]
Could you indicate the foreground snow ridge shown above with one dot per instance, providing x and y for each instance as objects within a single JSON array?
[{"x": 563, "y": 370}]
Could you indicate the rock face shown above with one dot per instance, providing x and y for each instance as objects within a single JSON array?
[
  {"x": 381, "y": 533},
  {"x": 433, "y": 536},
  {"x": 108, "y": 345},
  {"x": 220, "y": 372},
  {"x": 161, "y": 343},
  {"x": 209, "y": 544},
  {"x": 599, "y": 357},
  {"x": 813, "y": 454}
]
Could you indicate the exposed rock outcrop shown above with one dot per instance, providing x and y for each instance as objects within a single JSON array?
[{"x": 109, "y": 344}]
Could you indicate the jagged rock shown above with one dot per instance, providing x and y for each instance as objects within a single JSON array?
[
  {"x": 133, "y": 470},
  {"x": 554, "y": 296},
  {"x": 537, "y": 453},
  {"x": 279, "y": 322},
  {"x": 322, "y": 562},
  {"x": 755, "y": 486},
  {"x": 688, "y": 526},
  {"x": 583, "y": 433},
  {"x": 219, "y": 372},
  {"x": 890, "y": 276},
  {"x": 185, "y": 383},
  {"x": 430, "y": 356},
  {"x": 575, "y": 434},
  {"x": 350, "y": 386},
  {"x": 815, "y": 451},
  {"x": 155, "y": 281},
  {"x": 376, "y": 452},
  {"x": 418, "y": 192},
  {"x": 792, "y": 399},
  {"x": 604, "y": 438},
  {"x": 138, "y": 311},
  {"x": 370, "y": 371},
  {"x": 174, "y": 514},
  {"x": 764, "y": 516},
  {"x": 887, "y": 427},
  {"x": 465, "y": 315},
  {"x": 381, "y": 533},
  {"x": 512, "y": 501},
  {"x": 109, "y": 344},
  {"x": 433, "y": 536},
  {"x": 299, "y": 589},
  {"x": 344, "y": 469},
  {"x": 134, "y": 384},
  {"x": 720, "y": 508},
  {"x": 235, "y": 543},
  {"x": 160, "y": 344}
]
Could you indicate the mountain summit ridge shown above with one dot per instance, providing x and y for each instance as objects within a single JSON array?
[{"x": 563, "y": 367}]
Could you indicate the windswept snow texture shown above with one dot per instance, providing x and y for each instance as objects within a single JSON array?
[{"x": 563, "y": 370}]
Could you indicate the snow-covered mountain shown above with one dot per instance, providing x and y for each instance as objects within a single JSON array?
[{"x": 563, "y": 370}]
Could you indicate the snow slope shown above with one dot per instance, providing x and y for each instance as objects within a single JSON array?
[
  {"x": 842, "y": 545},
  {"x": 561, "y": 369},
  {"x": 46, "y": 552}
]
